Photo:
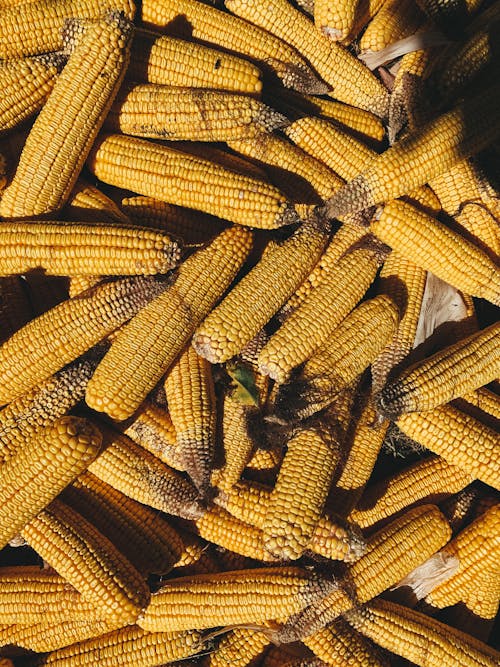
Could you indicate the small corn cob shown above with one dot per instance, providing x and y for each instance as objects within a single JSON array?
[
  {"x": 394, "y": 21},
  {"x": 126, "y": 646},
  {"x": 364, "y": 123},
  {"x": 15, "y": 308},
  {"x": 429, "y": 481},
  {"x": 89, "y": 561},
  {"x": 87, "y": 203},
  {"x": 59, "y": 336},
  {"x": 435, "y": 247},
  {"x": 460, "y": 439},
  {"x": 213, "y": 27},
  {"x": 404, "y": 282},
  {"x": 391, "y": 553},
  {"x": 486, "y": 401},
  {"x": 139, "y": 475},
  {"x": 160, "y": 332},
  {"x": 63, "y": 133},
  {"x": 352, "y": 346},
  {"x": 418, "y": 638},
  {"x": 189, "y": 114},
  {"x": 140, "y": 533},
  {"x": 351, "y": 81},
  {"x": 26, "y": 83},
  {"x": 453, "y": 371},
  {"x": 33, "y": 476},
  {"x": 244, "y": 596},
  {"x": 344, "y": 19},
  {"x": 309, "y": 326},
  {"x": 424, "y": 154},
  {"x": 170, "y": 61},
  {"x": 225, "y": 332},
  {"x": 37, "y": 28},
  {"x": 238, "y": 647},
  {"x": 67, "y": 248},
  {"x": 298, "y": 498}
]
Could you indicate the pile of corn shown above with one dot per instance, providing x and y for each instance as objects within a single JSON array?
[{"x": 229, "y": 252}]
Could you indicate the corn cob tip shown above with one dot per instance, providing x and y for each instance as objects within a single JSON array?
[
  {"x": 354, "y": 196},
  {"x": 287, "y": 215},
  {"x": 390, "y": 401},
  {"x": 269, "y": 119},
  {"x": 300, "y": 78},
  {"x": 295, "y": 400},
  {"x": 357, "y": 543},
  {"x": 55, "y": 59},
  {"x": 73, "y": 28}
]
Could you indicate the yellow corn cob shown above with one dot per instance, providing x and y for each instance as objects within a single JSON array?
[
  {"x": 477, "y": 550},
  {"x": 487, "y": 401},
  {"x": 467, "y": 365},
  {"x": 394, "y": 21},
  {"x": 151, "y": 427},
  {"x": 15, "y": 308},
  {"x": 404, "y": 282},
  {"x": 87, "y": 204},
  {"x": 79, "y": 284},
  {"x": 429, "y": 480},
  {"x": 351, "y": 348},
  {"x": 24, "y": 418},
  {"x": 238, "y": 648},
  {"x": 432, "y": 150},
  {"x": 211, "y": 26},
  {"x": 89, "y": 561},
  {"x": 225, "y": 331},
  {"x": 309, "y": 326},
  {"x": 434, "y": 247},
  {"x": 339, "y": 644},
  {"x": 85, "y": 249},
  {"x": 130, "y": 645},
  {"x": 351, "y": 81},
  {"x": 140, "y": 475},
  {"x": 170, "y": 61},
  {"x": 32, "y": 28},
  {"x": 481, "y": 225},
  {"x": 26, "y": 84},
  {"x": 53, "y": 339},
  {"x": 167, "y": 174},
  {"x": 342, "y": 20},
  {"x": 460, "y": 439},
  {"x": 362, "y": 122},
  {"x": 33, "y": 476},
  {"x": 244, "y": 596},
  {"x": 163, "y": 328},
  {"x": 189, "y": 114},
  {"x": 140, "y": 533},
  {"x": 418, "y": 638},
  {"x": 391, "y": 553},
  {"x": 63, "y": 133}
]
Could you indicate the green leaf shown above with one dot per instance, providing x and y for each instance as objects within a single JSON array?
[{"x": 243, "y": 381}]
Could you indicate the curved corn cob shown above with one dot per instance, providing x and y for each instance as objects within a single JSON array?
[
  {"x": 87, "y": 204},
  {"x": 434, "y": 247},
  {"x": 422, "y": 640},
  {"x": 170, "y": 61},
  {"x": 70, "y": 248},
  {"x": 225, "y": 332},
  {"x": 89, "y": 562},
  {"x": 64, "y": 131},
  {"x": 351, "y": 81},
  {"x": 179, "y": 178},
  {"x": 33, "y": 476},
  {"x": 162, "y": 329}
]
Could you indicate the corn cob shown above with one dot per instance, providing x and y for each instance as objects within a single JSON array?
[
  {"x": 362, "y": 122},
  {"x": 391, "y": 553},
  {"x": 63, "y": 133},
  {"x": 139, "y": 475},
  {"x": 140, "y": 533},
  {"x": 26, "y": 83},
  {"x": 460, "y": 439},
  {"x": 245, "y": 596},
  {"x": 309, "y": 326},
  {"x": 53, "y": 339},
  {"x": 430, "y": 481},
  {"x": 332, "y": 368},
  {"x": 179, "y": 178},
  {"x": 298, "y": 498},
  {"x": 422, "y": 640},
  {"x": 86, "y": 204},
  {"x": 213, "y": 27},
  {"x": 15, "y": 308},
  {"x": 394, "y": 21},
  {"x": 351, "y": 81},
  {"x": 163, "y": 328},
  {"x": 189, "y": 114},
  {"x": 85, "y": 249},
  {"x": 89, "y": 562},
  {"x": 434, "y": 247},
  {"x": 126, "y": 647},
  {"x": 238, "y": 647},
  {"x": 413, "y": 160},
  {"x": 32, "y": 477},
  {"x": 170, "y": 61},
  {"x": 447, "y": 374},
  {"x": 486, "y": 401},
  {"x": 224, "y": 332}
]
